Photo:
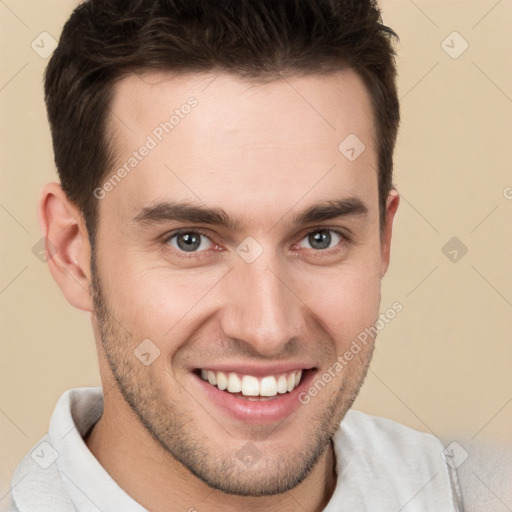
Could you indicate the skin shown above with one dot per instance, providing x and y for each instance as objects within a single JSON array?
[{"x": 261, "y": 153}]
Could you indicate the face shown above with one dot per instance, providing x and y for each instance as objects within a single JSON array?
[{"x": 237, "y": 257}]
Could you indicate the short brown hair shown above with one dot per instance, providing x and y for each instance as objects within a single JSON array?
[{"x": 104, "y": 40}]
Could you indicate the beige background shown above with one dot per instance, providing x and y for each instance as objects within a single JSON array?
[{"x": 444, "y": 364}]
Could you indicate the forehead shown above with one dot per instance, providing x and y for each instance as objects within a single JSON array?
[
  {"x": 335, "y": 102},
  {"x": 223, "y": 140}
]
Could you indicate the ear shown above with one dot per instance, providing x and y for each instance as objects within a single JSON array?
[
  {"x": 391, "y": 206},
  {"x": 68, "y": 251}
]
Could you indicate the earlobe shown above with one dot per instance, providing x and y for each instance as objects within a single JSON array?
[
  {"x": 392, "y": 203},
  {"x": 67, "y": 245}
]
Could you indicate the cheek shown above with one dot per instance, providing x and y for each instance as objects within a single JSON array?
[
  {"x": 159, "y": 303},
  {"x": 345, "y": 301}
]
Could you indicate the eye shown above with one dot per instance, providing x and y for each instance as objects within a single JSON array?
[
  {"x": 196, "y": 241},
  {"x": 321, "y": 239},
  {"x": 189, "y": 241}
]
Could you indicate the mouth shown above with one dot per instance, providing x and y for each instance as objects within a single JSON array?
[
  {"x": 255, "y": 396},
  {"x": 251, "y": 387}
]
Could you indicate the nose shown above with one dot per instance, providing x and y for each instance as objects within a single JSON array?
[{"x": 261, "y": 307}]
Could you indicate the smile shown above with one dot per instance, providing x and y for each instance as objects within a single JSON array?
[
  {"x": 251, "y": 386},
  {"x": 254, "y": 394}
]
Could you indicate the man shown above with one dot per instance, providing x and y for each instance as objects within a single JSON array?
[{"x": 225, "y": 213}]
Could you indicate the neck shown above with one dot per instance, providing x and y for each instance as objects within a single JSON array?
[{"x": 138, "y": 463}]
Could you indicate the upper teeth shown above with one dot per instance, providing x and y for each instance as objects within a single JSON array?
[{"x": 249, "y": 385}]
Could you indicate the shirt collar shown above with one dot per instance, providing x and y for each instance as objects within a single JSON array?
[{"x": 91, "y": 488}]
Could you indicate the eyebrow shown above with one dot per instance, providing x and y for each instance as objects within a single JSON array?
[{"x": 186, "y": 212}]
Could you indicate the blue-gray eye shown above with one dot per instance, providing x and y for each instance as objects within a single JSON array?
[
  {"x": 322, "y": 239},
  {"x": 189, "y": 241}
]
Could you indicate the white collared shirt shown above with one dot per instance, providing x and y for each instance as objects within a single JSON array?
[{"x": 381, "y": 466}]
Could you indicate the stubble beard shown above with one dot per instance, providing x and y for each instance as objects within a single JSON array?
[{"x": 173, "y": 427}]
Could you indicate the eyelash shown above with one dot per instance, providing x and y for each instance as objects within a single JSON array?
[{"x": 345, "y": 240}]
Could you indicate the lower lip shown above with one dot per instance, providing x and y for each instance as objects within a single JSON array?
[{"x": 273, "y": 410}]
